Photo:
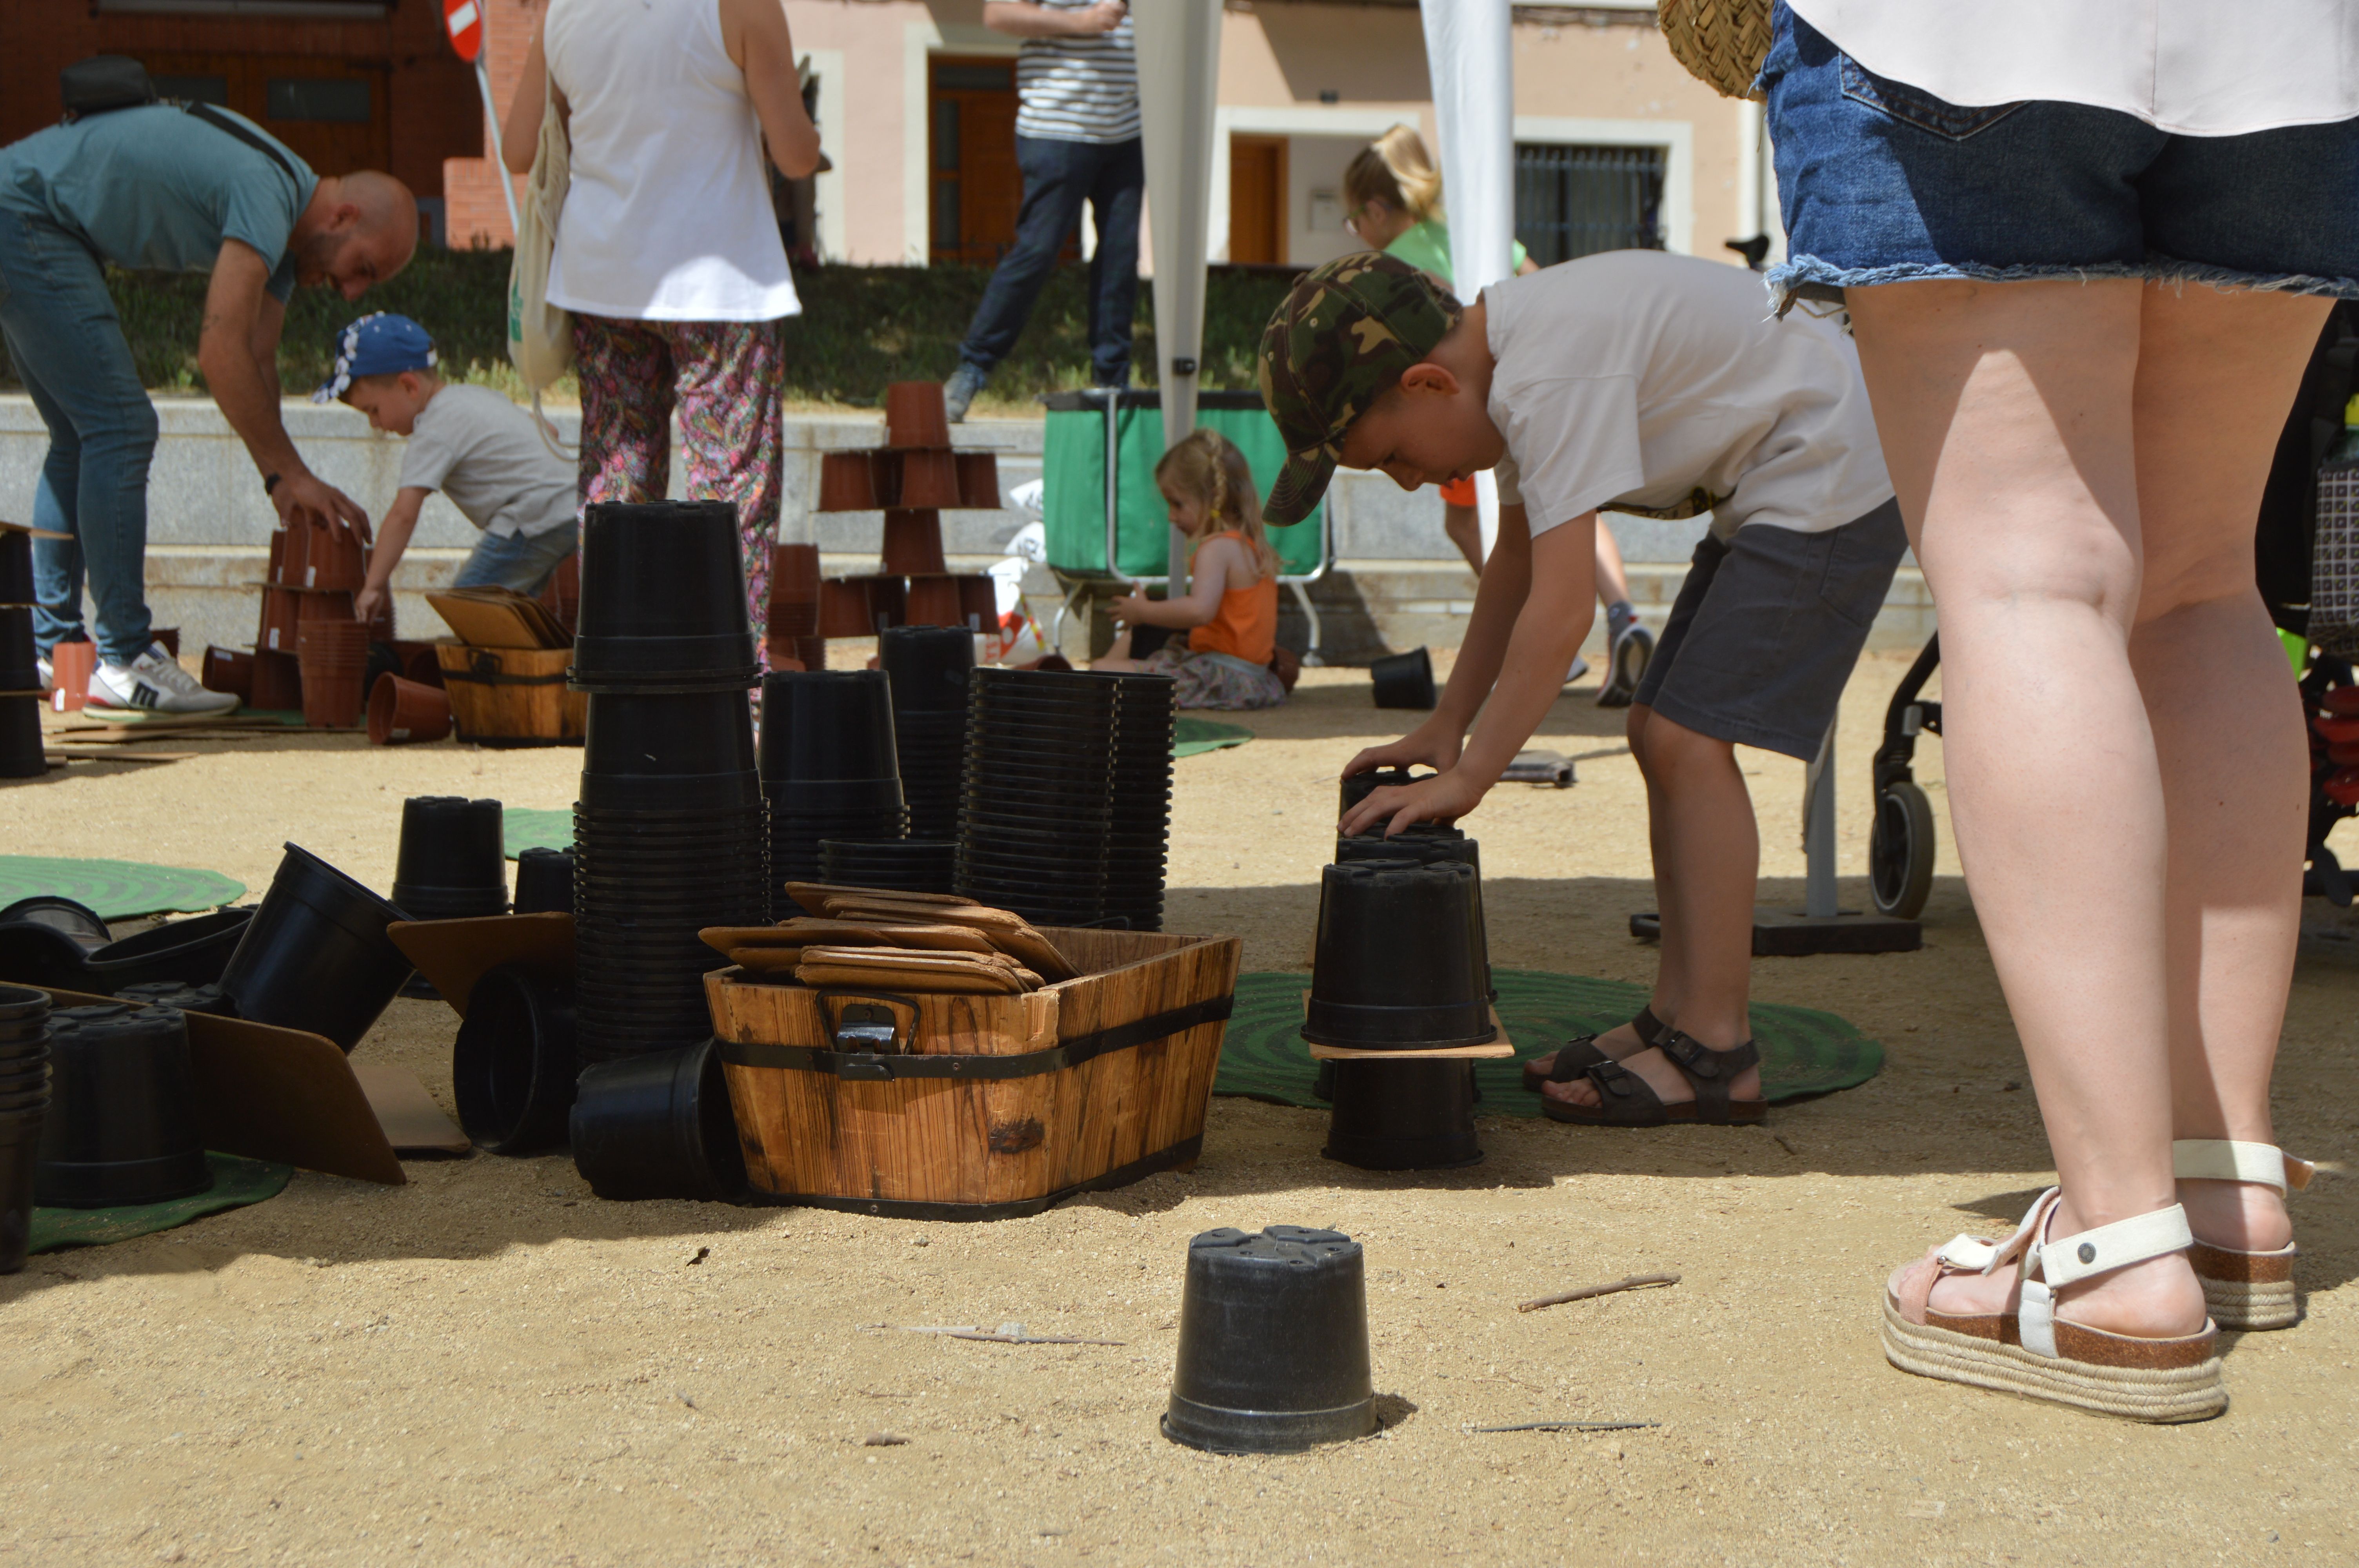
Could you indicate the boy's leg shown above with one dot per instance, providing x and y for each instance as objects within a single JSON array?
[{"x": 524, "y": 562}]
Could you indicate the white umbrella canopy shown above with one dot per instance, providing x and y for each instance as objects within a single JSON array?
[{"x": 1178, "y": 44}]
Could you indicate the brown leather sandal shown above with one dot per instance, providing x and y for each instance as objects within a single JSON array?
[
  {"x": 1579, "y": 1053},
  {"x": 1625, "y": 1099}
]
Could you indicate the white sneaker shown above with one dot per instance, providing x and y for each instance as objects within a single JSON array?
[
  {"x": 156, "y": 682},
  {"x": 47, "y": 672},
  {"x": 1580, "y": 668}
]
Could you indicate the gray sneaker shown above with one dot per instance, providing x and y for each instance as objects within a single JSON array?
[{"x": 960, "y": 390}]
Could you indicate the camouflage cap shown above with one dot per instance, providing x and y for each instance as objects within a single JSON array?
[{"x": 1339, "y": 342}]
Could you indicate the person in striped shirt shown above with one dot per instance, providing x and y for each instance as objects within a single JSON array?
[{"x": 1076, "y": 140}]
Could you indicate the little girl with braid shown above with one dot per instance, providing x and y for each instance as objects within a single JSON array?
[{"x": 1225, "y": 630}]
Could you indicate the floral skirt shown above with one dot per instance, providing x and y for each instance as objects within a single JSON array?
[{"x": 1216, "y": 680}]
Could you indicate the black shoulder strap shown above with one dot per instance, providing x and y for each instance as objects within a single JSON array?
[{"x": 222, "y": 122}]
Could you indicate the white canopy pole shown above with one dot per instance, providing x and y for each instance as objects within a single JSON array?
[
  {"x": 1469, "y": 57},
  {"x": 1178, "y": 44}
]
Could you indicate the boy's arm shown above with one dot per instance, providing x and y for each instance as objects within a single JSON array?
[
  {"x": 393, "y": 531},
  {"x": 1498, "y": 599},
  {"x": 1526, "y": 669}
]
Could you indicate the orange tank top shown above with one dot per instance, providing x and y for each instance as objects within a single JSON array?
[{"x": 1247, "y": 626}]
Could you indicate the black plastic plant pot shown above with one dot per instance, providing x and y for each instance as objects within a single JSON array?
[
  {"x": 694, "y": 734},
  {"x": 1398, "y": 965},
  {"x": 77, "y": 921},
  {"x": 819, "y": 796},
  {"x": 659, "y": 1126},
  {"x": 191, "y": 952},
  {"x": 20, "y": 738},
  {"x": 827, "y": 724},
  {"x": 453, "y": 856},
  {"x": 15, "y": 566},
  {"x": 316, "y": 955},
  {"x": 663, "y": 598},
  {"x": 23, "y": 1007},
  {"x": 122, "y": 1125},
  {"x": 205, "y": 999},
  {"x": 18, "y": 670},
  {"x": 544, "y": 883},
  {"x": 20, "y": 1148},
  {"x": 1403, "y": 1116},
  {"x": 1273, "y": 1355},
  {"x": 1359, "y": 786},
  {"x": 1404, "y": 680},
  {"x": 32, "y": 953},
  {"x": 513, "y": 1067},
  {"x": 928, "y": 667}
]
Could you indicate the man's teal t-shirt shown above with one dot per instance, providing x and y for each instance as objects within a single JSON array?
[{"x": 158, "y": 189}]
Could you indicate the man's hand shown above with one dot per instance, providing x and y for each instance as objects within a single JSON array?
[
  {"x": 1027, "y": 19},
  {"x": 307, "y": 497},
  {"x": 1445, "y": 797},
  {"x": 1103, "y": 17}
]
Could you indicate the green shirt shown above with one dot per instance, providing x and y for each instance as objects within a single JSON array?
[
  {"x": 1426, "y": 246},
  {"x": 155, "y": 189}
]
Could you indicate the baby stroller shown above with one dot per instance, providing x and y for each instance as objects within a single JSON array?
[{"x": 2306, "y": 558}]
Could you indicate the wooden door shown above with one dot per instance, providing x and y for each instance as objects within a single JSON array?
[
  {"x": 333, "y": 113},
  {"x": 976, "y": 187},
  {"x": 1257, "y": 199}
]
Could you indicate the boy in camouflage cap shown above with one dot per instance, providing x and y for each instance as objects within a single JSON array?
[{"x": 1632, "y": 381}]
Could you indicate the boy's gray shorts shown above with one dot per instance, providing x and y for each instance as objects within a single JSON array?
[{"x": 1767, "y": 629}]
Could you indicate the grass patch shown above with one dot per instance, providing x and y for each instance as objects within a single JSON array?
[{"x": 861, "y": 327}]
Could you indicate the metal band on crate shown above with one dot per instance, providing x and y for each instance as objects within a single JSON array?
[
  {"x": 864, "y": 1064},
  {"x": 1180, "y": 1153},
  {"x": 498, "y": 678}
]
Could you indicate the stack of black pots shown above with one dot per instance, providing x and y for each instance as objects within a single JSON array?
[
  {"x": 1036, "y": 823},
  {"x": 23, "y": 1104},
  {"x": 830, "y": 768},
  {"x": 928, "y": 668},
  {"x": 20, "y": 675},
  {"x": 1400, "y": 966},
  {"x": 668, "y": 832},
  {"x": 1140, "y": 837},
  {"x": 122, "y": 1125},
  {"x": 901, "y": 865}
]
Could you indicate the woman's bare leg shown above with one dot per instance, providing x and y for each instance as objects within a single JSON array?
[{"x": 1613, "y": 579}]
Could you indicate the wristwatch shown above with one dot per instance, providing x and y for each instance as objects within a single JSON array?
[{"x": 270, "y": 483}]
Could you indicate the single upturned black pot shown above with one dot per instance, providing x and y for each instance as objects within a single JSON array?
[
  {"x": 77, "y": 921},
  {"x": 1404, "y": 680},
  {"x": 15, "y": 566},
  {"x": 827, "y": 725},
  {"x": 1359, "y": 786},
  {"x": 513, "y": 1067},
  {"x": 663, "y": 599},
  {"x": 1402, "y": 1115},
  {"x": 453, "y": 861},
  {"x": 20, "y": 739},
  {"x": 544, "y": 883},
  {"x": 659, "y": 1126},
  {"x": 1273, "y": 1354},
  {"x": 1399, "y": 964},
  {"x": 121, "y": 1124},
  {"x": 191, "y": 952},
  {"x": 18, "y": 670},
  {"x": 1429, "y": 848},
  {"x": 689, "y": 751},
  {"x": 32, "y": 953},
  {"x": 928, "y": 667},
  {"x": 316, "y": 955}
]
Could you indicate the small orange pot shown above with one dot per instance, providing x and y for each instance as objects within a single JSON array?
[
  {"x": 928, "y": 478},
  {"x": 978, "y": 481},
  {"x": 913, "y": 543},
  {"x": 914, "y": 415},
  {"x": 403, "y": 711},
  {"x": 70, "y": 666}
]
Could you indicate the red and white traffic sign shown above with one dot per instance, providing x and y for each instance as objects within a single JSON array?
[{"x": 463, "y": 19}]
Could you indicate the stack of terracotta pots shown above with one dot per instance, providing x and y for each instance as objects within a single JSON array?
[
  {"x": 333, "y": 659},
  {"x": 794, "y": 643},
  {"x": 315, "y": 571}
]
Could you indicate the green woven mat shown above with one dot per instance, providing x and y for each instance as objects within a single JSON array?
[
  {"x": 117, "y": 890},
  {"x": 1190, "y": 736},
  {"x": 236, "y": 1183},
  {"x": 529, "y": 827},
  {"x": 1803, "y": 1051}
]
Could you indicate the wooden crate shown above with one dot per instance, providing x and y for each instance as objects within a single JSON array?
[
  {"x": 979, "y": 1107},
  {"x": 512, "y": 697}
]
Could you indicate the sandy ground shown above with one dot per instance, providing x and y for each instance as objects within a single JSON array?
[{"x": 489, "y": 1366}]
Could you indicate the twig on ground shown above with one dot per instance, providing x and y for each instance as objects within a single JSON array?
[
  {"x": 1569, "y": 1426},
  {"x": 1008, "y": 1334},
  {"x": 1631, "y": 1282}
]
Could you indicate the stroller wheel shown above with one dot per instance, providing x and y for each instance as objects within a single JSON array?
[{"x": 1900, "y": 851}]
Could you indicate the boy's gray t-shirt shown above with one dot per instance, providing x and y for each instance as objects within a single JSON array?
[{"x": 475, "y": 447}]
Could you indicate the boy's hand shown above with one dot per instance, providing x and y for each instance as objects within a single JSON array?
[
  {"x": 1445, "y": 797},
  {"x": 365, "y": 603},
  {"x": 1434, "y": 742}
]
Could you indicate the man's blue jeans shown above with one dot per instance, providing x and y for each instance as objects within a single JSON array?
[
  {"x": 68, "y": 350},
  {"x": 1058, "y": 178}
]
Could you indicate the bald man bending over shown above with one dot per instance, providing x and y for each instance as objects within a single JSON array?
[{"x": 158, "y": 187}]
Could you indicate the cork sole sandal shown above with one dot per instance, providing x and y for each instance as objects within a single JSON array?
[
  {"x": 2244, "y": 1290},
  {"x": 1579, "y": 1053},
  {"x": 2031, "y": 1351},
  {"x": 1625, "y": 1099}
]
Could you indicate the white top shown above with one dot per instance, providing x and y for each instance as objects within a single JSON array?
[
  {"x": 481, "y": 450},
  {"x": 2193, "y": 66},
  {"x": 1079, "y": 89},
  {"x": 1633, "y": 380},
  {"x": 667, "y": 217}
]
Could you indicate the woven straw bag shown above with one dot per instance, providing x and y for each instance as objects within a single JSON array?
[{"x": 1722, "y": 42}]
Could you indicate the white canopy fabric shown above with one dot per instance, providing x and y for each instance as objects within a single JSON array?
[{"x": 1178, "y": 44}]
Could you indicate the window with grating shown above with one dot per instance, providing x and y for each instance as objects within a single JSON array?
[{"x": 1577, "y": 201}]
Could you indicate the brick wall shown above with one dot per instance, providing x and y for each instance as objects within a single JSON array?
[{"x": 478, "y": 214}]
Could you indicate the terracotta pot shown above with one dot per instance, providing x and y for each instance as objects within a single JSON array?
[
  {"x": 421, "y": 665},
  {"x": 979, "y": 597},
  {"x": 978, "y": 481},
  {"x": 794, "y": 592},
  {"x": 333, "y": 558},
  {"x": 227, "y": 669},
  {"x": 913, "y": 542},
  {"x": 934, "y": 601},
  {"x": 403, "y": 710},
  {"x": 914, "y": 415},
  {"x": 327, "y": 604},
  {"x": 290, "y": 548},
  {"x": 281, "y": 610},
  {"x": 928, "y": 478},
  {"x": 277, "y": 682},
  {"x": 888, "y": 603},
  {"x": 847, "y": 483},
  {"x": 70, "y": 666},
  {"x": 332, "y": 698},
  {"x": 844, "y": 608}
]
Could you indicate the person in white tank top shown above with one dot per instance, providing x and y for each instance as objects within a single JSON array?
[{"x": 667, "y": 255}]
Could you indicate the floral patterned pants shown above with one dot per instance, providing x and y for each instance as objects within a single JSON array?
[{"x": 723, "y": 377}]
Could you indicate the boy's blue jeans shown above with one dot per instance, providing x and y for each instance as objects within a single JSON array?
[
  {"x": 522, "y": 562},
  {"x": 68, "y": 350},
  {"x": 1058, "y": 178}
]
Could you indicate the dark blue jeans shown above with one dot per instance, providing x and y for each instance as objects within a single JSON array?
[{"x": 1058, "y": 178}]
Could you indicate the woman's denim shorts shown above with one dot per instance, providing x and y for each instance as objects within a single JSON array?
[{"x": 1883, "y": 183}]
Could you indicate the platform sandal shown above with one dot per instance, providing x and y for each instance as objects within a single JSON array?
[
  {"x": 2031, "y": 1351},
  {"x": 1625, "y": 1099},
  {"x": 1579, "y": 1053},
  {"x": 2244, "y": 1290}
]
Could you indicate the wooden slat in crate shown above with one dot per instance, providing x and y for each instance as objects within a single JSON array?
[
  {"x": 974, "y": 1147},
  {"x": 512, "y": 697}
]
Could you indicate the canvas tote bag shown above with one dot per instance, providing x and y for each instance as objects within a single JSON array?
[{"x": 540, "y": 335}]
